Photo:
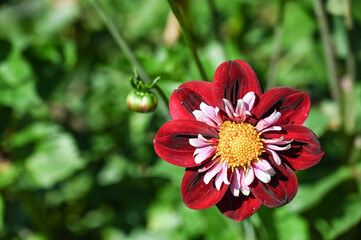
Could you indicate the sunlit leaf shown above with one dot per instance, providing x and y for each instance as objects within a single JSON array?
[
  {"x": 346, "y": 215},
  {"x": 310, "y": 195}
]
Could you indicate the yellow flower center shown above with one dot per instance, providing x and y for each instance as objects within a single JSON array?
[{"x": 239, "y": 144}]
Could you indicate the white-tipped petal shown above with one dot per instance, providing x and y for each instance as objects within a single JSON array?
[
  {"x": 208, "y": 165},
  {"x": 212, "y": 172},
  {"x": 248, "y": 175},
  {"x": 263, "y": 165},
  {"x": 219, "y": 180},
  {"x": 278, "y": 148},
  {"x": 275, "y": 156},
  {"x": 273, "y": 128},
  {"x": 240, "y": 107},
  {"x": 229, "y": 109},
  {"x": 262, "y": 176},
  {"x": 245, "y": 191},
  {"x": 224, "y": 173},
  {"x": 235, "y": 191},
  {"x": 268, "y": 121},
  {"x": 249, "y": 100},
  {"x": 202, "y": 154}
]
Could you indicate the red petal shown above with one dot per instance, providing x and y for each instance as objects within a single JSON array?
[
  {"x": 281, "y": 189},
  {"x": 198, "y": 195},
  {"x": 188, "y": 98},
  {"x": 293, "y": 104},
  {"x": 238, "y": 208},
  {"x": 172, "y": 141},
  {"x": 232, "y": 80},
  {"x": 306, "y": 150}
]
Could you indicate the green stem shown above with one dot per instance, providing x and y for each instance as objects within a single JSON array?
[
  {"x": 272, "y": 71},
  {"x": 187, "y": 34},
  {"x": 349, "y": 98},
  {"x": 354, "y": 160},
  {"x": 126, "y": 49},
  {"x": 121, "y": 42},
  {"x": 329, "y": 54},
  {"x": 162, "y": 94}
]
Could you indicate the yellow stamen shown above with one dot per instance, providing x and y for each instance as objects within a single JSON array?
[{"x": 239, "y": 144}]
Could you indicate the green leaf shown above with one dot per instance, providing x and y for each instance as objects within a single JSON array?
[
  {"x": 347, "y": 215},
  {"x": 317, "y": 121},
  {"x": 15, "y": 70},
  {"x": 290, "y": 225},
  {"x": 113, "y": 171},
  {"x": 337, "y": 7},
  {"x": 2, "y": 212},
  {"x": 306, "y": 197},
  {"x": 55, "y": 158},
  {"x": 8, "y": 173}
]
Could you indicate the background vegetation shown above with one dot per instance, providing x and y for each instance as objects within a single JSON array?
[{"x": 75, "y": 163}]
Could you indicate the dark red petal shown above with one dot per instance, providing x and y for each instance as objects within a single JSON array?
[
  {"x": 238, "y": 208},
  {"x": 172, "y": 141},
  {"x": 198, "y": 195},
  {"x": 232, "y": 80},
  {"x": 278, "y": 192},
  {"x": 188, "y": 98},
  {"x": 306, "y": 150},
  {"x": 293, "y": 105}
]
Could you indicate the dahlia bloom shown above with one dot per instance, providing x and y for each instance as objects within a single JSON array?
[{"x": 240, "y": 146}]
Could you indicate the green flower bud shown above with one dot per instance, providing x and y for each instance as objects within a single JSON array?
[{"x": 141, "y": 101}]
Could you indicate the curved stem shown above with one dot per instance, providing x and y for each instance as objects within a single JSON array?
[
  {"x": 272, "y": 71},
  {"x": 187, "y": 35},
  {"x": 161, "y": 94},
  {"x": 127, "y": 51},
  {"x": 121, "y": 42},
  {"x": 329, "y": 54},
  {"x": 349, "y": 98}
]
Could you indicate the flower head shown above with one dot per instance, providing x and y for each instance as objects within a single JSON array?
[{"x": 240, "y": 146}]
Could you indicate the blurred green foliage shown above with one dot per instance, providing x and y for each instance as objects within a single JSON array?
[{"x": 75, "y": 163}]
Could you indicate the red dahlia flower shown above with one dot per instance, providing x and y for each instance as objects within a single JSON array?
[{"x": 239, "y": 145}]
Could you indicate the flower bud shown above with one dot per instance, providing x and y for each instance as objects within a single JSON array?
[{"x": 141, "y": 101}]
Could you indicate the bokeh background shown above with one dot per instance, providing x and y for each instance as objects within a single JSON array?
[{"x": 76, "y": 163}]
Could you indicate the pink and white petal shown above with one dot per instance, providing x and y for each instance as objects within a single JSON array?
[
  {"x": 249, "y": 99},
  {"x": 268, "y": 121},
  {"x": 210, "y": 174},
  {"x": 222, "y": 176},
  {"x": 201, "y": 141},
  {"x": 188, "y": 97},
  {"x": 245, "y": 190},
  {"x": 306, "y": 150},
  {"x": 293, "y": 105},
  {"x": 196, "y": 193},
  {"x": 235, "y": 185},
  {"x": 233, "y": 80},
  {"x": 240, "y": 108},
  {"x": 275, "y": 156},
  {"x": 202, "y": 154},
  {"x": 230, "y": 110},
  {"x": 271, "y": 129},
  {"x": 261, "y": 175},
  {"x": 200, "y": 116},
  {"x": 226, "y": 173},
  {"x": 172, "y": 141},
  {"x": 280, "y": 190},
  {"x": 276, "y": 141},
  {"x": 277, "y": 148},
  {"x": 238, "y": 208},
  {"x": 209, "y": 111},
  {"x": 248, "y": 176},
  {"x": 264, "y": 166},
  {"x": 208, "y": 165}
]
